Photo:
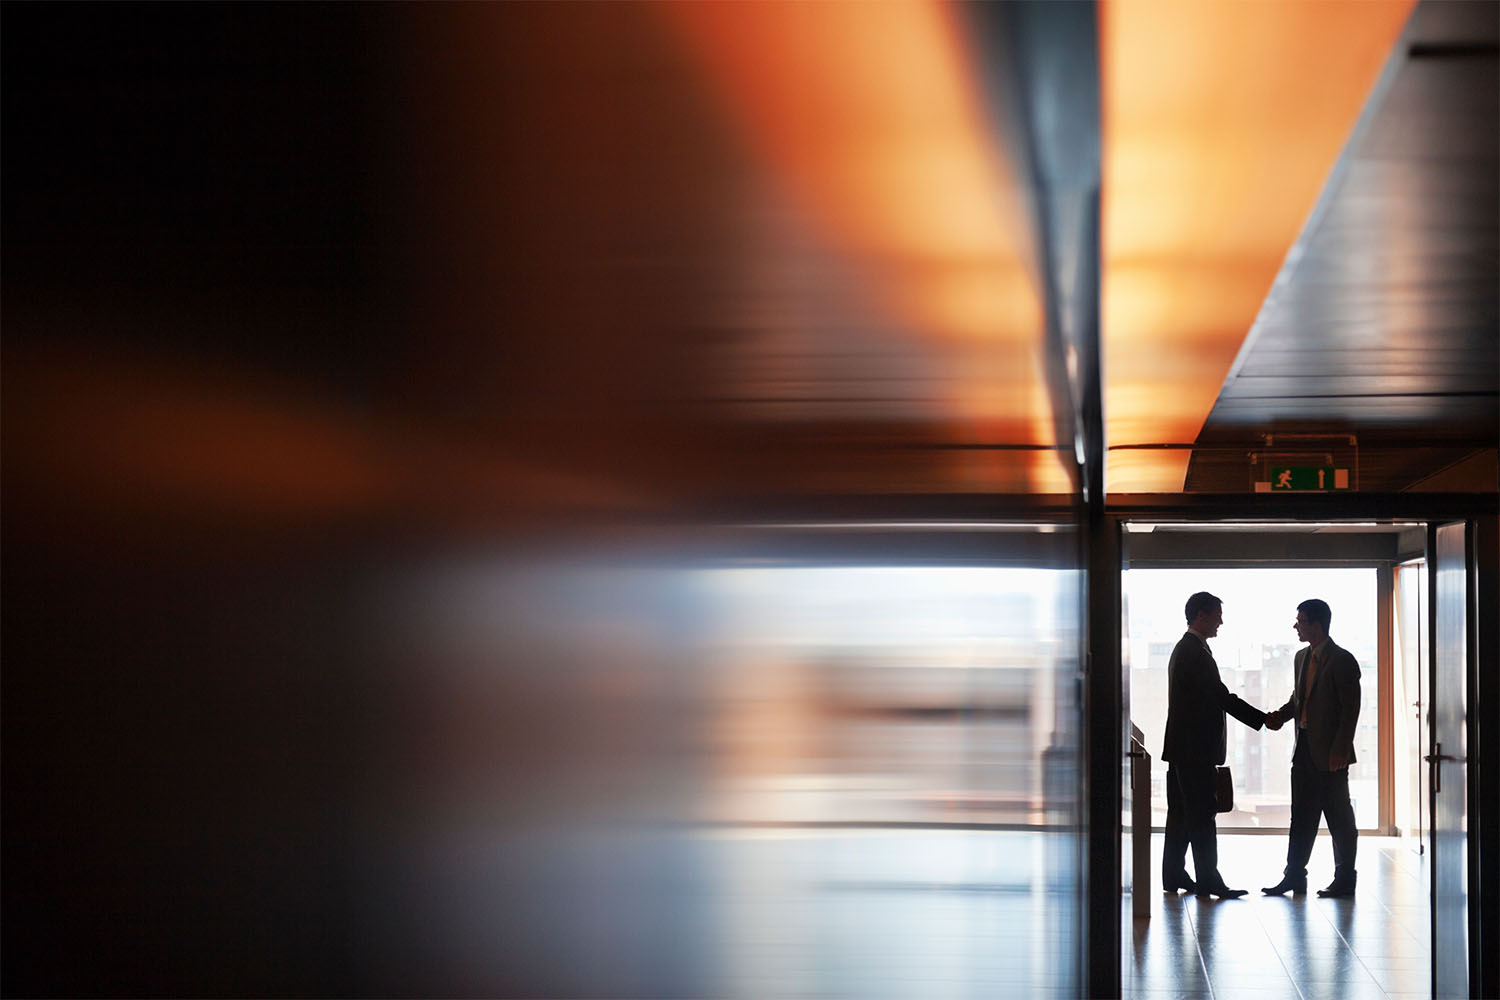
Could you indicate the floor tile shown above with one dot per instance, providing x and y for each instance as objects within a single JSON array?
[
  {"x": 1351, "y": 976},
  {"x": 1268, "y": 965},
  {"x": 1185, "y": 958},
  {"x": 1289, "y": 947},
  {"x": 1157, "y": 982},
  {"x": 1402, "y": 980},
  {"x": 1251, "y": 992},
  {"x": 1419, "y": 962},
  {"x": 1343, "y": 992}
]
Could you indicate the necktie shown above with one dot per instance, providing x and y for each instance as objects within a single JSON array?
[{"x": 1312, "y": 669}]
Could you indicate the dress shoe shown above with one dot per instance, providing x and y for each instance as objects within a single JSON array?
[
  {"x": 1222, "y": 891},
  {"x": 1338, "y": 889},
  {"x": 1296, "y": 886},
  {"x": 1179, "y": 884}
]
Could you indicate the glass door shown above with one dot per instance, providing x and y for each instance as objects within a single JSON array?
[{"x": 1448, "y": 549}]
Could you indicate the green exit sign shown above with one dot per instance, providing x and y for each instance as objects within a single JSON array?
[{"x": 1298, "y": 478}]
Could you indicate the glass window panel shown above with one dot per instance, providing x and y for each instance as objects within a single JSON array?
[{"x": 1254, "y": 650}]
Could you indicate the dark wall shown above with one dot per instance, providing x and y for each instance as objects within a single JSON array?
[{"x": 189, "y": 227}]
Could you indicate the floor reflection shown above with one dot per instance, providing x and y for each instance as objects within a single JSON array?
[
  {"x": 896, "y": 913},
  {"x": 1374, "y": 946}
]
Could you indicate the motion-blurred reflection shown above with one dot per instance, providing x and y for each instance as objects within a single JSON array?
[
  {"x": 371, "y": 372},
  {"x": 748, "y": 775}
]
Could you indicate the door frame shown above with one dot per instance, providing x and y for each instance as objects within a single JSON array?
[
  {"x": 1484, "y": 770},
  {"x": 1104, "y": 687}
]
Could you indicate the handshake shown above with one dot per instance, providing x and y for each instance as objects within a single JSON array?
[{"x": 1274, "y": 720}]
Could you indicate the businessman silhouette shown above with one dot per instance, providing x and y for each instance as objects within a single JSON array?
[
  {"x": 1325, "y": 705},
  {"x": 1195, "y": 745}
]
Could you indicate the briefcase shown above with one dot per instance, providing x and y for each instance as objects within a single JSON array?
[{"x": 1224, "y": 789}]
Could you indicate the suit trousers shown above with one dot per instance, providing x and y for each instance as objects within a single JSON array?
[
  {"x": 1316, "y": 794},
  {"x": 1191, "y": 812}
]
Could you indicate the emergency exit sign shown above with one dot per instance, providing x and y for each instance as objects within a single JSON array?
[{"x": 1301, "y": 478}]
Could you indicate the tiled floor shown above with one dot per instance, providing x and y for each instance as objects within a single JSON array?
[
  {"x": 935, "y": 914},
  {"x": 1374, "y": 946}
]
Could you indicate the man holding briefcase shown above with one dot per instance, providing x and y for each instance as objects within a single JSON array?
[{"x": 1195, "y": 745}]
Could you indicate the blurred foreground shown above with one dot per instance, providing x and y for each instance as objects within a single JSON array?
[{"x": 455, "y": 463}]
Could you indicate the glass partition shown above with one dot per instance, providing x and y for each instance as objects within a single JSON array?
[
  {"x": 884, "y": 694},
  {"x": 834, "y": 762}
]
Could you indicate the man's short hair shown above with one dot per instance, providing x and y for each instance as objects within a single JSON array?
[
  {"x": 1318, "y": 611},
  {"x": 1201, "y": 601}
]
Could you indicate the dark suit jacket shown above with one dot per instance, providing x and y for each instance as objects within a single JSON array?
[
  {"x": 1196, "y": 703},
  {"x": 1332, "y": 704}
]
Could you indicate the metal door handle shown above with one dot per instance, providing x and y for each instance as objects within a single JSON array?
[
  {"x": 1437, "y": 772},
  {"x": 1437, "y": 754}
]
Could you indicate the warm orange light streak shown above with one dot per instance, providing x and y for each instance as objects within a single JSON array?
[
  {"x": 865, "y": 112},
  {"x": 99, "y": 439},
  {"x": 1222, "y": 121}
]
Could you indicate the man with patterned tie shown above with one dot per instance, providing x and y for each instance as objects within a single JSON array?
[{"x": 1325, "y": 708}]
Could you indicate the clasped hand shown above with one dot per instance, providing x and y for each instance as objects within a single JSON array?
[{"x": 1336, "y": 760}]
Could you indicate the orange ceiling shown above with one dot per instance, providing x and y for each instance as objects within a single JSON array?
[
  {"x": 1222, "y": 121},
  {"x": 870, "y": 118}
]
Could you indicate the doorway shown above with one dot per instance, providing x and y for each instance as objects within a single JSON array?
[{"x": 1406, "y": 622}]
